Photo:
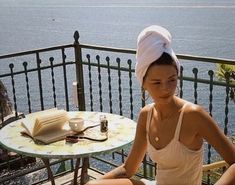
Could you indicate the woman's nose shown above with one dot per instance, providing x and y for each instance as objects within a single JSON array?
[{"x": 165, "y": 86}]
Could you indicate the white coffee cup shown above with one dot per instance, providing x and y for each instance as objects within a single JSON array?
[{"x": 76, "y": 124}]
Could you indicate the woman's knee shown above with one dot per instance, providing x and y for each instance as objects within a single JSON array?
[
  {"x": 93, "y": 182},
  {"x": 123, "y": 181},
  {"x": 89, "y": 183}
]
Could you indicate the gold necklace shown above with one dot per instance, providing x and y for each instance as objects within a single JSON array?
[{"x": 165, "y": 119}]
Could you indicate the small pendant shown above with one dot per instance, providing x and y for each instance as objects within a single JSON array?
[{"x": 156, "y": 139}]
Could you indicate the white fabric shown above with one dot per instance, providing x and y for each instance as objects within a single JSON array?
[
  {"x": 151, "y": 43},
  {"x": 148, "y": 182},
  {"x": 176, "y": 164}
]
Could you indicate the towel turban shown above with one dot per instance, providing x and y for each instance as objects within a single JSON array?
[{"x": 151, "y": 43}]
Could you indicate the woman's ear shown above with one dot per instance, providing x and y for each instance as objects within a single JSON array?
[
  {"x": 144, "y": 83},
  {"x": 144, "y": 86}
]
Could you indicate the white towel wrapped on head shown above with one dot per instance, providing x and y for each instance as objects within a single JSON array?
[{"x": 151, "y": 43}]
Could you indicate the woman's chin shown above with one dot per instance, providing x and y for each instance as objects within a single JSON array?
[{"x": 163, "y": 100}]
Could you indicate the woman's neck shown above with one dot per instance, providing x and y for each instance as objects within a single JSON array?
[{"x": 167, "y": 110}]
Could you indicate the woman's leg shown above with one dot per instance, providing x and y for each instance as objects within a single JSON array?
[{"x": 123, "y": 181}]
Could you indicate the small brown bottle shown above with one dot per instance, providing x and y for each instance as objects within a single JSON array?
[{"x": 103, "y": 124}]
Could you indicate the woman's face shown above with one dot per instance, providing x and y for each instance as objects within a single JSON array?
[{"x": 160, "y": 82}]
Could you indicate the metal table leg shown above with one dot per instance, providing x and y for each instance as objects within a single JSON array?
[
  {"x": 84, "y": 173},
  {"x": 75, "y": 177},
  {"x": 49, "y": 172}
]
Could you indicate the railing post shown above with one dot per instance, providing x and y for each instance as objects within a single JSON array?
[
  {"x": 79, "y": 73},
  {"x": 226, "y": 111}
]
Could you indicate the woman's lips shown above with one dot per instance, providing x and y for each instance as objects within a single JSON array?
[{"x": 165, "y": 96}]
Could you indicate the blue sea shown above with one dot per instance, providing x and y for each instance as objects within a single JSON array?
[{"x": 198, "y": 27}]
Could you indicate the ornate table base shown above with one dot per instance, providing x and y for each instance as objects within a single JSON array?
[{"x": 84, "y": 172}]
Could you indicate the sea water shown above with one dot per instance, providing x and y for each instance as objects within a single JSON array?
[{"x": 198, "y": 27}]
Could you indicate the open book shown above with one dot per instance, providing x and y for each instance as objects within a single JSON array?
[{"x": 46, "y": 126}]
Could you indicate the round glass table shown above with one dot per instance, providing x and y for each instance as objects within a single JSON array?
[{"x": 121, "y": 132}]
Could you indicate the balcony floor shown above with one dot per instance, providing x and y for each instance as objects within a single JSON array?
[{"x": 68, "y": 178}]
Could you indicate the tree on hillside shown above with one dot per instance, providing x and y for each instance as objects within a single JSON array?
[
  {"x": 221, "y": 71},
  {"x": 5, "y": 103}
]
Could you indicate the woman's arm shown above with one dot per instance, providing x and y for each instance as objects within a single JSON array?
[
  {"x": 228, "y": 178},
  {"x": 210, "y": 131},
  {"x": 136, "y": 154}
]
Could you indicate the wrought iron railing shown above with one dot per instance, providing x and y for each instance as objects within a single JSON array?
[{"x": 43, "y": 78}]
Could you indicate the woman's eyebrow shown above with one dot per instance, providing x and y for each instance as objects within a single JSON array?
[
  {"x": 172, "y": 76},
  {"x": 155, "y": 79}
]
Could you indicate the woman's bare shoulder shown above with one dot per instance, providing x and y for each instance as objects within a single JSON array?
[
  {"x": 147, "y": 108},
  {"x": 196, "y": 116},
  {"x": 193, "y": 109},
  {"x": 144, "y": 113},
  {"x": 197, "y": 120}
]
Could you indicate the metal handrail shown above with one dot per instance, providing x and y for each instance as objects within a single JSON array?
[
  {"x": 119, "y": 50},
  {"x": 79, "y": 63}
]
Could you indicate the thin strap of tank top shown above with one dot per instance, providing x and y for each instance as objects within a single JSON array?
[
  {"x": 178, "y": 127},
  {"x": 149, "y": 116}
]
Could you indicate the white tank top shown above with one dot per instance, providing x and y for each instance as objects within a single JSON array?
[{"x": 176, "y": 164}]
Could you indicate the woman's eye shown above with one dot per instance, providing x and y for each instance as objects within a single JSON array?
[{"x": 172, "y": 80}]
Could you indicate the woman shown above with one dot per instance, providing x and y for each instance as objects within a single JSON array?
[{"x": 171, "y": 129}]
